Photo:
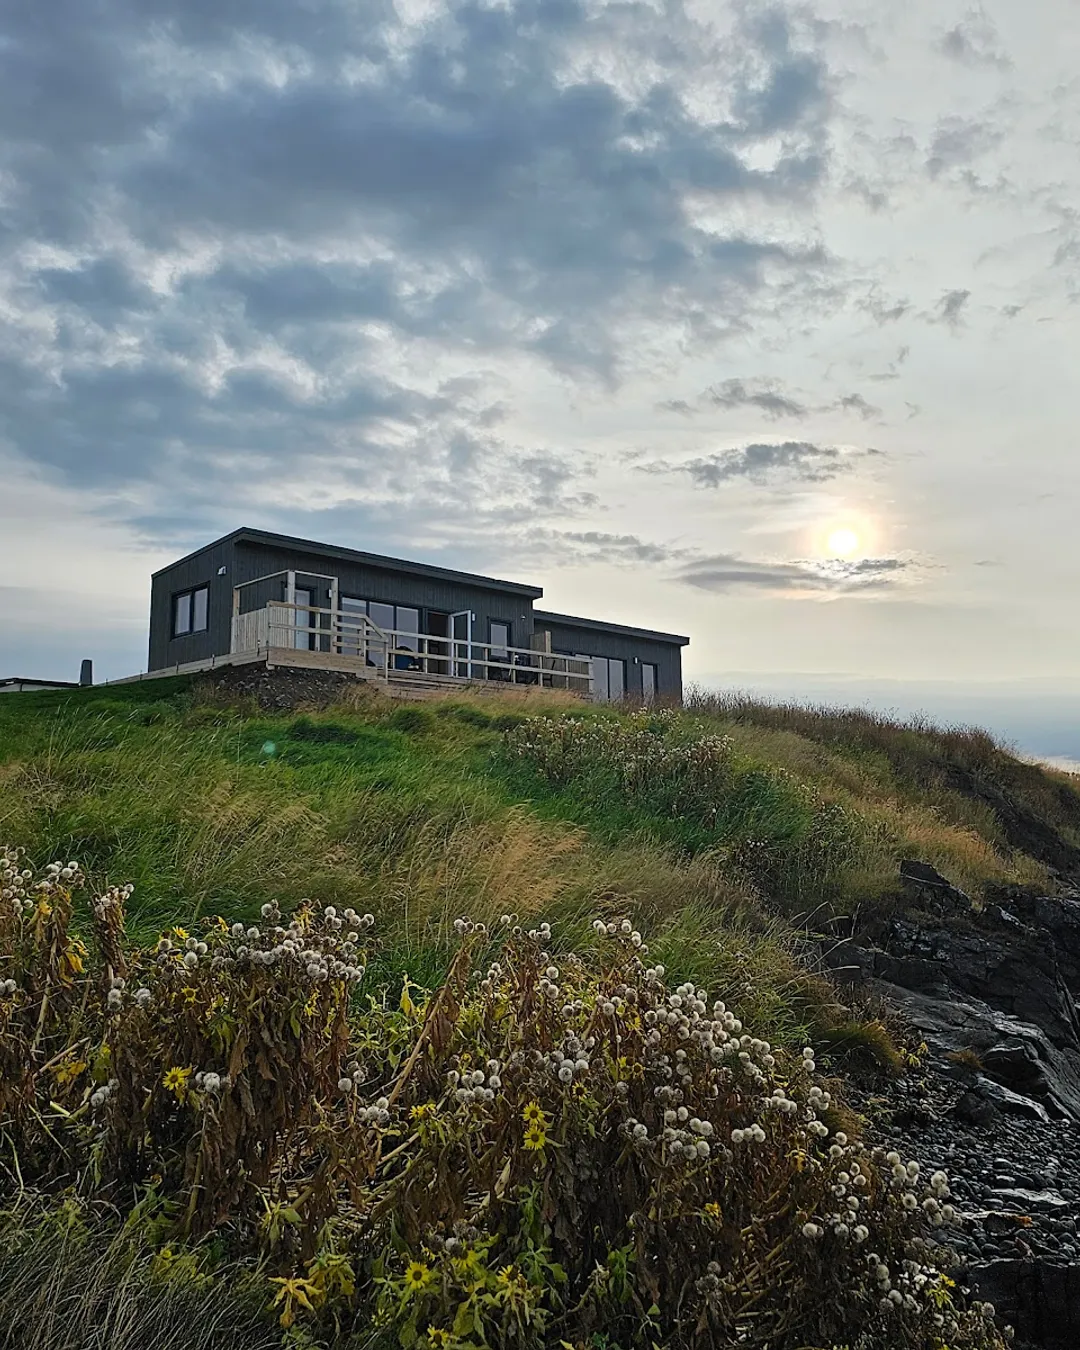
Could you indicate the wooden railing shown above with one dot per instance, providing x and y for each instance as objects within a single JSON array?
[{"x": 398, "y": 654}]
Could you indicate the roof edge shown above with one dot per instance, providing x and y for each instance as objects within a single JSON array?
[
  {"x": 433, "y": 570},
  {"x": 603, "y": 626}
]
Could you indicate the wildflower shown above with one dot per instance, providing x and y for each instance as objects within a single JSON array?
[
  {"x": 534, "y": 1115},
  {"x": 424, "y": 1111},
  {"x": 439, "y": 1339},
  {"x": 176, "y": 1081},
  {"x": 535, "y": 1138},
  {"x": 417, "y": 1277},
  {"x": 812, "y": 1231}
]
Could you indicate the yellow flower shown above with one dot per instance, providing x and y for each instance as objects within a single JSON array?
[
  {"x": 176, "y": 1080},
  {"x": 417, "y": 1277},
  {"x": 190, "y": 995},
  {"x": 180, "y": 933},
  {"x": 438, "y": 1338},
  {"x": 68, "y": 1070},
  {"x": 713, "y": 1211},
  {"x": 424, "y": 1111},
  {"x": 535, "y": 1138},
  {"x": 533, "y": 1115}
]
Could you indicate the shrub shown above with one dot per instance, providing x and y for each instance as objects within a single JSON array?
[
  {"x": 534, "y": 1154},
  {"x": 776, "y": 832}
]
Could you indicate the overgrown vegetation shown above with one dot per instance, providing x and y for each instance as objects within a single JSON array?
[
  {"x": 540, "y": 1152},
  {"x": 465, "y": 1138}
]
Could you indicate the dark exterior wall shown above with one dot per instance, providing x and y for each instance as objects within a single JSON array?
[
  {"x": 369, "y": 582},
  {"x": 198, "y": 570},
  {"x": 666, "y": 656},
  {"x": 246, "y": 561}
]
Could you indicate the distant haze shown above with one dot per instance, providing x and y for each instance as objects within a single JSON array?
[{"x": 1040, "y": 718}]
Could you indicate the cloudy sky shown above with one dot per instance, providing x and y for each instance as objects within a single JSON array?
[{"x": 640, "y": 302}]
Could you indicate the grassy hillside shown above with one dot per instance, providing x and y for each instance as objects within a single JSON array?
[
  {"x": 725, "y": 833},
  {"x": 724, "y": 830}
]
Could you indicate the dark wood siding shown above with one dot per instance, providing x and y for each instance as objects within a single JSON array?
[
  {"x": 199, "y": 570},
  {"x": 666, "y": 656},
  {"x": 369, "y": 582}
]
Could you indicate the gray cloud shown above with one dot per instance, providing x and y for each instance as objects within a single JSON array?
[
  {"x": 950, "y": 308},
  {"x": 726, "y": 572},
  {"x": 762, "y": 462},
  {"x": 958, "y": 142},
  {"x": 974, "y": 42},
  {"x": 253, "y": 224},
  {"x": 765, "y": 395},
  {"x": 769, "y": 397},
  {"x": 883, "y": 310},
  {"x": 855, "y": 403},
  {"x": 596, "y": 546}
]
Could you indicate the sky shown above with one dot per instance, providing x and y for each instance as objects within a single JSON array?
[{"x": 642, "y": 303}]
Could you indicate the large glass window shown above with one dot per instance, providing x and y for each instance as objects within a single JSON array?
[
  {"x": 382, "y": 616},
  {"x": 191, "y": 611},
  {"x": 648, "y": 682},
  {"x": 407, "y": 623},
  {"x": 401, "y": 619}
]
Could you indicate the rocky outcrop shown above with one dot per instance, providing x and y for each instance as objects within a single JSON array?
[{"x": 996, "y": 1102}]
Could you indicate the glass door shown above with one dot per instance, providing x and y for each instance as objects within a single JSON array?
[
  {"x": 303, "y": 619},
  {"x": 460, "y": 625}
]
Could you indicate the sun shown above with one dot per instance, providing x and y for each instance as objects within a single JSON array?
[{"x": 843, "y": 543}]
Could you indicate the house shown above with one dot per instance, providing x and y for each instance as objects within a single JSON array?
[
  {"x": 253, "y": 595},
  {"x": 17, "y": 684}
]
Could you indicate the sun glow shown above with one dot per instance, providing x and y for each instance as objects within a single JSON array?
[{"x": 843, "y": 543}]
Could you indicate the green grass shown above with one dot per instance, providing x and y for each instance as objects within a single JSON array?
[{"x": 418, "y": 813}]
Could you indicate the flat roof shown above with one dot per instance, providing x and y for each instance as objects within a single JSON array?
[
  {"x": 42, "y": 684},
  {"x": 429, "y": 570},
  {"x": 600, "y": 626}
]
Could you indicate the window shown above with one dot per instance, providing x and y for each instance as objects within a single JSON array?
[
  {"x": 648, "y": 681},
  {"x": 609, "y": 678},
  {"x": 191, "y": 611},
  {"x": 500, "y": 641},
  {"x": 404, "y": 620}
]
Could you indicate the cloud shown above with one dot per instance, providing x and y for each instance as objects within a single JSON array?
[
  {"x": 883, "y": 310},
  {"x": 974, "y": 42},
  {"x": 572, "y": 547},
  {"x": 764, "y": 394},
  {"x": 727, "y": 572},
  {"x": 958, "y": 142},
  {"x": 950, "y": 308},
  {"x": 768, "y": 396},
  {"x": 243, "y": 253},
  {"x": 762, "y": 462},
  {"x": 857, "y": 404}
]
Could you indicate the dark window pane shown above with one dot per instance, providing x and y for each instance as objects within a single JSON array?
[
  {"x": 381, "y": 615},
  {"x": 182, "y": 615},
  {"x": 616, "y": 679},
  {"x": 200, "y": 605},
  {"x": 353, "y": 605}
]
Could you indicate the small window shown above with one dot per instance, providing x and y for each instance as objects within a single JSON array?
[
  {"x": 191, "y": 611},
  {"x": 648, "y": 682},
  {"x": 500, "y": 641}
]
